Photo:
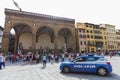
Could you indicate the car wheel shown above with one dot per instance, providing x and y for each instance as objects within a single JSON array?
[
  {"x": 102, "y": 72},
  {"x": 66, "y": 69}
]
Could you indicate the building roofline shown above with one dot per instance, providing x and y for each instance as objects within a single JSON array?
[
  {"x": 89, "y": 23},
  {"x": 17, "y": 12}
]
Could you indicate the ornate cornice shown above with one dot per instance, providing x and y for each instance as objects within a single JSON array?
[{"x": 36, "y": 15}]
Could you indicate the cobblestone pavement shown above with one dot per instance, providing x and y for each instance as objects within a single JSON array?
[{"x": 24, "y": 71}]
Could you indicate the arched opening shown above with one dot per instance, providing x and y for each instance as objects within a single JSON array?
[
  {"x": 26, "y": 40},
  {"x": 44, "y": 38},
  {"x": 12, "y": 40},
  {"x": 21, "y": 36},
  {"x": 65, "y": 40}
]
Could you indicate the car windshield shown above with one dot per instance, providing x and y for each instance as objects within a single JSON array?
[
  {"x": 102, "y": 59},
  {"x": 92, "y": 58}
]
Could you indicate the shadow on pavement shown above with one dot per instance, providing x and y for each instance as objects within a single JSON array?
[
  {"x": 43, "y": 67},
  {"x": 88, "y": 76}
]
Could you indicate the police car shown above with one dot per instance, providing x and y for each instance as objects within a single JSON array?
[{"x": 87, "y": 63}]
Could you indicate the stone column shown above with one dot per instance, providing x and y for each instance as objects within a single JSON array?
[
  {"x": 5, "y": 42},
  {"x": 73, "y": 41},
  {"x": 16, "y": 43},
  {"x": 34, "y": 42},
  {"x": 5, "y": 38},
  {"x": 56, "y": 42}
]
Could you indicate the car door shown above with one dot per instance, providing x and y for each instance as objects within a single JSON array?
[
  {"x": 91, "y": 64},
  {"x": 79, "y": 64}
]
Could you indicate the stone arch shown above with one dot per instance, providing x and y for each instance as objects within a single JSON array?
[
  {"x": 23, "y": 32},
  {"x": 33, "y": 23},
  {"x": 65, "y": 39},
  {"x": 22, "y": 25},
  {"x": 42, "y": 32},
  {"x": 26, "y": 40},
  {"x": 69, "y": 29}
]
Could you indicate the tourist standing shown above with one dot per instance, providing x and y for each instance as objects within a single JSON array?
[
  {"x": 1, "y": 59},
  {"x": 63, "y": 56},
  {"x": 70, "y": 57},
  {"x": 13, "y": 58},
  {"x": 56, "y": 58},
  {"x": 37, "y": 58},
  {"x": 44, "y": 60},
  {"x": 49, "y": 57},
  {"x": 111, "y": 54},
  {"x": 52, "y": 58}
]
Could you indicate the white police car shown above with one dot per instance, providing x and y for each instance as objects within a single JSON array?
[{"x": 87, "y": 63}]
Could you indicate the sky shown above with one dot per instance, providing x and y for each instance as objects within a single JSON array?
[{"x": 91, "y": 11}]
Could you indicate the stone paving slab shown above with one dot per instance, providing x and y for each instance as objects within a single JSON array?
[{"x": 25, "y": 71}]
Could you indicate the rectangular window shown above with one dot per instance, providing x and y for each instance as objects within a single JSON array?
[
  {"x": 79, "y": 30},
  {"x": 91, "y": 36},
  {"x": 81, "y": 42},
  {"x": 91, "y": 31},
  {"x": 80, "y": 36},
  {"x": 83, "y": 31},
  {"x": 85, "y": 43},
  {"x": 87, "y": 31},
  {"x": 88, "y": 36}
]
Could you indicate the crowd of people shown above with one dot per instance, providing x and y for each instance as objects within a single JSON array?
[
  {"x": 31, "y": 58},
  {"x": 35, "y": 58}
]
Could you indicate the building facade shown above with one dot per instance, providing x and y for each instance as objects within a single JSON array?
[
  {"x": 86, "y": 39},
  {"x": 111, "y": 36},
  {"x": 81, "y": 37},
  {"x": 118, "y": 38},
  {"x": 100, "y": 38},
  {"x": 38, "y": 31},
  {"x": 104, "y": 39},
  {"x": 97, "y": 37},
  {"x": 90, "y": 39}
]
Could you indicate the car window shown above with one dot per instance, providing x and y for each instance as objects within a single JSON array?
[
  {"x": 96, "y": 58},
  {"x": 91, "y": 59},
  {"x": 102, "y": 59},
  {"x": 81, "y": 59}
]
